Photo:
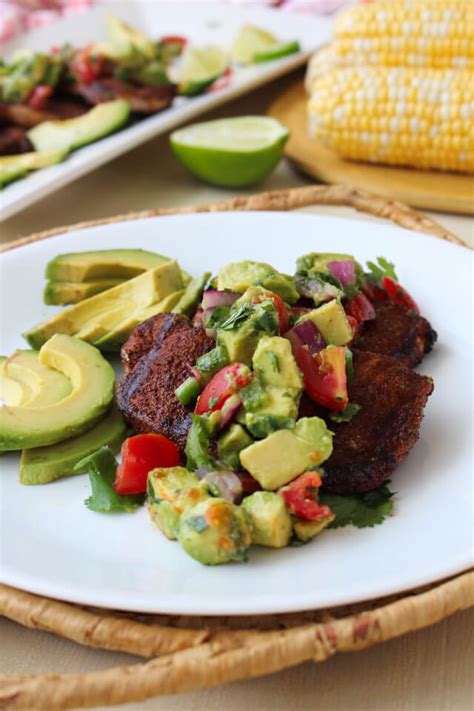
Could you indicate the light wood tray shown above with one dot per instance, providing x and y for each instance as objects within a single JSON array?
[
  {"x": 446, "y": 192},
  {"x": 189, "y": 653}
]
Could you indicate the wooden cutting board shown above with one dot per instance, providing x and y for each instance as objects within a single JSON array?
[{"x": 446, "y": 192}]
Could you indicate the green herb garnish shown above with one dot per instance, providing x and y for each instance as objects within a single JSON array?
[
  {"x": 346, "y": 414},
  {"x": 101, "y": 467},
  {"x": 359, "y": 510},
  {"x": 383, "y": 268},
  {"x": 236, "y": 318}
]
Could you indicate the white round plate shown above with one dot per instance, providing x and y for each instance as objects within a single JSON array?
[{"x": 53, "y": 545}]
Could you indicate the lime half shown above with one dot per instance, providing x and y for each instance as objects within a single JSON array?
[
  {"x": 250, "y": 41},
  {"x": 200, "y": 67},
  {"x": 233, "y": 152}
]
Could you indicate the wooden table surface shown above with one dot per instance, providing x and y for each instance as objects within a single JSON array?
[{"x": 427, "y": 671}]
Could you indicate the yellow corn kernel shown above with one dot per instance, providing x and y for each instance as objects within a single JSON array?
[{"x": 364, "y": 113}]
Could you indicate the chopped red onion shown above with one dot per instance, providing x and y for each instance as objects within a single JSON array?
[
  {"x": 213, "y": 298},
  {"x": 227, "y": 483},
  {"x": 344, "y": 270},
  {"x": 229, "y": 410},
  {"x": 306, "y": 333},
  {"x": 198, "y": 318}
]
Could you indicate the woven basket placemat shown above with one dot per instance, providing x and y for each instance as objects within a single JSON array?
[{"x": 190, "y": 653}]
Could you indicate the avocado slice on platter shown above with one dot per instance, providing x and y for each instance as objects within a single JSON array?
[
  {"x": 41, "y": 384},
  {"x": 92, "y": 379},
  {"x": 73, "y": 133},
  {"x": 62, "y": 293}
]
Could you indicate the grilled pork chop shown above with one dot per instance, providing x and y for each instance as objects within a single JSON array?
[
  {"x": 399, "y": 332},
  {"x": 156, "y": 358},
  {"x": 142, "y": 99},
  {"x": 54, "y": 109},
  {"x": 369, "y": 447}
]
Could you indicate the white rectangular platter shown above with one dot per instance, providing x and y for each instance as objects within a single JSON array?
[{"x": 202, "y": 23}]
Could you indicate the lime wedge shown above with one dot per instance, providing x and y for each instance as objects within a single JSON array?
[
  {"x": 277, "y": 51},
  {"x": 233, "y": 152},
  {"x": 250, "y": 41},
  {"x": 200, "y": 67}
]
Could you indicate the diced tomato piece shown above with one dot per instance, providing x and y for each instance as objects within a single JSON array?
[
  {"x": 174, "y": 39},
  {"x": 397, "y": 293},
  {"x": 301, "y": 498},
  {"x": 87, "y": 65},
  {"x": 222, "y": 81},
  {"x": 280, "y": 308},
  {"x": 222, "y": 386},
  {"x": 325, "y": 376},
  {"x": 39, "y": 96},
  {"x": 360, "y": 308},
  {"x": 141, "y": 454},
  {"x": 373, "y": 292}
]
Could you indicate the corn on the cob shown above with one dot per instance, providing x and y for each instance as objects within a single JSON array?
[
  {"x": 437, "y": 34},
  {"x": 421, "y": 118}
]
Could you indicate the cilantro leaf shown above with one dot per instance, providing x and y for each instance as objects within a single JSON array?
[
  {"x": 198, "y": 443},
  {"x": 360, "y": 510},
  {"x": 101, "y": 467},
  {"x": 383, "y": 268},
  {"x": 236, "y": 317},
  {"x": 345, "y": 415}
]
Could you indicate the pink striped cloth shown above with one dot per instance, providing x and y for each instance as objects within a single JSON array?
[{"x": 22, "y": 15}]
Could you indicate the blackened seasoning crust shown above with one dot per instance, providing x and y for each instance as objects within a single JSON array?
[
  {"x": 157, "y": 357},
  {"x": 369, "y": 447},
  {"x": 399, "y": 332}
]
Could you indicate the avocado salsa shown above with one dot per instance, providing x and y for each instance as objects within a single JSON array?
[{"x": 252, "y": 467}]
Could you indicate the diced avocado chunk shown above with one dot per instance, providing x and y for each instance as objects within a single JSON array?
[
  {"x": 43, "y": 464},
  {"x": 69, "y": 292},
  {"x": 275, "y": 364},
  {"x": 230, "y": 444},
  {"x": 214, "y": 532},
  {"x": 272, "y": 402},
  {"x": 192, "y": 295},
  {"x": 92, "y": 381},
  {"x": 102, "y": 264},
  {"x": 318, "y": 262},
  {"x": 271, "y": 522},
  {"x": 45, "y": 385},
  {"x": 115, "y": 338},
  {"x": 140, "y": 292},
  {"x": 172, "y": 490},
  {"x": 306, "y": 530},
  {"x": 125, "y": 42},
  {"x": 76, "y": 132},
  {"x": 331, "y": 320},
  {"x": 251, "y": 317},
  {"x": 285, "y": 454},
  {"x": 239, "y": 276}
]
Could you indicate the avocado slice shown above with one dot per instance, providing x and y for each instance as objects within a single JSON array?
[
  {"x": 92, "y": 381},
  {"x": 192, "y": 295},
  {"x": 76, "y": 132},
  {"x": 271, "y": 521},
  {"x": 45, "y": 385},
  {"x": 102, "y": 264},
  {"x": 69, "y": 292},
  {"x": 12, "y": 392},
  {"x": 285, "y": 454},
  {"x": 43, "y": 464},
  {"x": 114, "y": 339},
  {"x": 144, "y": 290},
  {"x": 14, "y": 167}
]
